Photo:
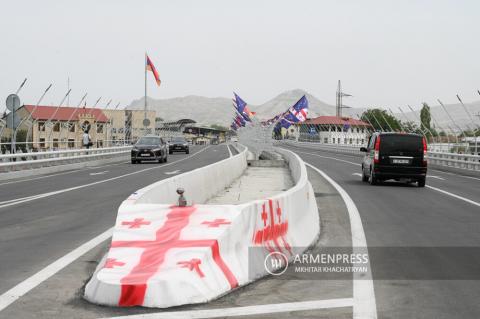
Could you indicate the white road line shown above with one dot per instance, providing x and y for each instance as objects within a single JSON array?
[
  {"x": 98, "y": 173},
  {"x": 38, "y": 196},
  {"x": 436, "y": 177},
  {"x": 57, "y": 174},
  {"x": 430, "y": 169},
  {"x": 329, "y": 157},
  {"x": 448, "y": 173},
  {"x": 364, "y": 304},
  {"x": 246, "y": 311},
  {"x": 173, "y": 172},
  {"x": 454, "y": 195},
  {"x": 428, "y": 186},
  {"x": 28, "y": 284},
  {"x": 357, "y": 174},
  {"x": 229, "y": 151}
]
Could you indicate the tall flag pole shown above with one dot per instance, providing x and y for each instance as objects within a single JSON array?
[
  {"x": 149, "y": 67},
  {"x": 145, "y": 106}
]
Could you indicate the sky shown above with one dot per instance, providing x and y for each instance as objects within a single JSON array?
[{"x": 387, "y": 53}]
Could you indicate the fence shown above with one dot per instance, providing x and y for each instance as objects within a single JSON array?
[
  {"x": 461, "y": 161},
  {"x": 21, "y": 161}
]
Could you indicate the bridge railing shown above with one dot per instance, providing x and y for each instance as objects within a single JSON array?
[
  {"x": 21, "y": 161},
  {"x": 462, "y": 161}
]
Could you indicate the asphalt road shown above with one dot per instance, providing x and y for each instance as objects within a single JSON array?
[
  {"x": 36, "y": 232},
  {"x": 423, "y": 242},
  {"x": 419, "y": 239}
]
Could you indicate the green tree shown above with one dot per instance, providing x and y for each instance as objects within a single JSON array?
[
  {"x": 381, "y": 120},
  {"x": 426, "y": 119}
]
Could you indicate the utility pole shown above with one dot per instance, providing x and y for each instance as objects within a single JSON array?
[
  {"x": 339, "y": 100},
  {"x": 338, "y": 112}
]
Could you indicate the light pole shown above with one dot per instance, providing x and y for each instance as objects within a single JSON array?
[
  {"x": 458, "y": 127},
  {"x": 29, "y": 117},
  {"x": 473, "y": 122}
]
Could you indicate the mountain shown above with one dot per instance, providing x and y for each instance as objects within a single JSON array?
[
  {"x": 219, "y": 110},
  {"x": 283, "y": 101},
  {"x": 204, "y": 110},
  {"x": 440, "y": 117}
]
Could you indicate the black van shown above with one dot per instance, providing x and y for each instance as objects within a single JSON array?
[{"x": 397, "y": 156}]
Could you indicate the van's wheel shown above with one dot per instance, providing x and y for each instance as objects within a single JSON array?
[
  {"x": 372, "y": 179},
  {"x": 421, "y": 182},
  {"x": 134, "y": 161},
  {"x": 364, "y": 177}
]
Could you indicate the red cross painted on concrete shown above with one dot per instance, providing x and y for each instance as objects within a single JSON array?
[
  {"x": 112, "y": 262},
  {"x": 192, "y": 264},
  {"x": 134, "y": 284},
  {"x": 136, "y": 223},
  {"x": 264, "y": 215},
  {"x": 274, "y": 232},
  {"x": 279, "y": 213},
  {"x": 217, "y": 222}
]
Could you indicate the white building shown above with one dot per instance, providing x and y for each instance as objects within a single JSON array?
[{"x": 334, "y": 130}]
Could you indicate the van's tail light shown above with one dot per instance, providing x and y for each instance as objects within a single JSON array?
[
  {"x": 425, "y": 155},
  {"x": 376, "y": 156}
]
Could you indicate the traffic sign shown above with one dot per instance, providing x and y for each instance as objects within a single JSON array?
[
  {"x": 146, "y": 122},
  {"x": 13, "y": 102}
]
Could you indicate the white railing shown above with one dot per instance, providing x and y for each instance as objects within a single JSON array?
[
  {"x": 462, "y": 161},
  {"x": 21, "y": 161}
]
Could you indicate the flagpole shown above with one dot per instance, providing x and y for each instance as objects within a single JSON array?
[{"x": 145, "y": 107}]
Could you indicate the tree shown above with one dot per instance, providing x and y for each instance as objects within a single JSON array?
[
  {"x": 381, "y": 120},
  {"x": 425, "y": 119}
]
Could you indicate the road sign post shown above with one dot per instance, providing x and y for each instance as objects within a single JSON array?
[{"x": 13, "y": 104}]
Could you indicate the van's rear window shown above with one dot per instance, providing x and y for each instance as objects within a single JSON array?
[{"x": 405, "y": 143}]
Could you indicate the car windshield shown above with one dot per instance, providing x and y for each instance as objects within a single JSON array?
[
  {"x": 149, "y": 140},
  {"x": 178, "y": 140},
  {"x": 406, "y": 143}
]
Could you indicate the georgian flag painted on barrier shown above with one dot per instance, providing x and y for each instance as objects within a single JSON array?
[{"x": 156, "y": 242}]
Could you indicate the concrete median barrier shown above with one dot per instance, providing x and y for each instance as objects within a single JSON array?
[{"x": 163, "y": 255}]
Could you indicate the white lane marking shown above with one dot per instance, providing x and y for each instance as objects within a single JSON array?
[
  {"x": 329, "y": 157},
  {"x": 454, "y": 195},
  {"x": 38, "y": 196},
  {"x": 33, "y": 281},
  {"x": 430, "y": 169},
  {"x": 229, "y": 151},
  {"x": 364, "y": 304},
  {"x": 246, "y": 311},
  {"x": 428, "y": 186},
  {"x": 98, "y": 173},
  {"x": 62, "y": 173},
  {"x": 448, "y": 173},
  {"x": 173, "y": 172},
  {"x": 357, "y": 174},
  {"x": 436, "y": 177}
]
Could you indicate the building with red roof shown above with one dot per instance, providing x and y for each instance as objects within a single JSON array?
[
  {"x": 53, "y": 113},
  {"x": 63, "y": 127},
  {"x": 333, "y": 130}
]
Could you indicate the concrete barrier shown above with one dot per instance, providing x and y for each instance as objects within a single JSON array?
[{"x": 163, "y": 255}]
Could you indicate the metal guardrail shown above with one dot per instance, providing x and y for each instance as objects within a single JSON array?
[
  {"x": 21, "y": 161},
  {"x": 462, "y": 161}
]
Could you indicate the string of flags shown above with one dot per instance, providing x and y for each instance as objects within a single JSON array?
[{"x": 295, "y": 114}]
